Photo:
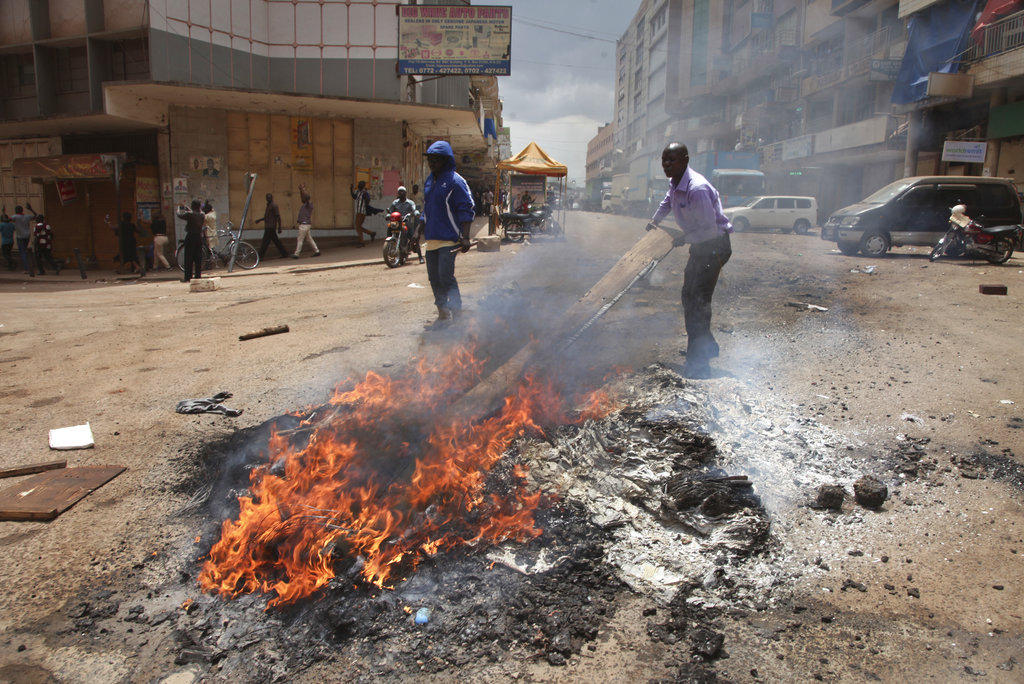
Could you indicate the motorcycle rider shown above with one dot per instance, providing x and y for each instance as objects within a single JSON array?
[
  {"x": 406, "y": 207},
  {"x": 966, "y": 237},
  {"x": 958, "y": 215}
]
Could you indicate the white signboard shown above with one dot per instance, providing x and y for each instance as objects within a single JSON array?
[
  {"x": 962, "y": 151},
  {"x": 455, "y": 39}
]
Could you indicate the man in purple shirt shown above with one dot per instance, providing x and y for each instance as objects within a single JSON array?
[{"x": 697, "y": 209}]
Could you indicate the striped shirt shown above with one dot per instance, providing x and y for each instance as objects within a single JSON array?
[{"x": 362, "y": 198}]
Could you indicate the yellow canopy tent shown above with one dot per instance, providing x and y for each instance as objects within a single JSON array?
[{"x": 533, "y": 161}]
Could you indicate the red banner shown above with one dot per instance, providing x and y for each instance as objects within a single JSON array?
[{"x": 65, "y": 166}]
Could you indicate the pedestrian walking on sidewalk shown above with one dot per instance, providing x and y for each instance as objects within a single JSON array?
[
  {"x": 361, "y": 208},
  {"x": 23, "y": 236},
  {"x": 697, "y": 209},
  {"x": 447, "y": 216},
  {"x": 43, "y": 235},
  {"x": 194, "y": 241},
  {"x": 126, "y": 232},
  {"x": 210, "y": 224},
  {"x": 7, "y": 239},
  {"x": 158, "y": 226},
  {"x": 271, "y": 228},
  {"x": 305, "y": 223}
]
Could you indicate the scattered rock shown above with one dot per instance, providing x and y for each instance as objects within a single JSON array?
[
  {"x": 870, "y": 492},
  {"x": 830, "y": 497},
  {"x": 706, "y": 643},
  {"x": 850, "y": 584}
]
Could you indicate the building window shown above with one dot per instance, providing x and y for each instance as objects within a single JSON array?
[
  {"x": 26, "y": 71},
  {"x": 699, "y": 53},
  {"x": 659, "y": 19}
]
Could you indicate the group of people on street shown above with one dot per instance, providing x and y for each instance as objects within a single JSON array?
[
  {"x": 448, "y": 211},
  {"x": 33, "y": 237},
  {"x": 128, "y": 233}
]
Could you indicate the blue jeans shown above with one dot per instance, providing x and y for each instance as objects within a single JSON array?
[
  {"x": 441, "y": 273},
  {"x": 26, "y": 263}
]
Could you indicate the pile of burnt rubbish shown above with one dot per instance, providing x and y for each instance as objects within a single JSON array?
[
  {"x": 640, "y": 502},
  {"x": 544, "y": 600}
]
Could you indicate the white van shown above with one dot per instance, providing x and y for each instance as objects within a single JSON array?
[
  {"x": 787, "y": 213},
  {"x": 606, "y": 202}
]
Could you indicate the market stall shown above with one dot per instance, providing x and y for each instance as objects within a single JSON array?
[{"x": 531, "y": 161}]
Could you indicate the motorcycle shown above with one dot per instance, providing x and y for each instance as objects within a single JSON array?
[
  {"x": 515, "y": 227},
  {"x": 968, "y": 237},
  {"x": 402, "y": 238}
]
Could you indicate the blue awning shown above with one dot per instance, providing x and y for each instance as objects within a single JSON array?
[{"x": 938, "y": 37}]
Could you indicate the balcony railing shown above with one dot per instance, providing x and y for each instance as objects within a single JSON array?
[
  {"x": 999, "y": 37},
  {"x": 887, "y": 43},
  {"x": 767, "y": 41}
]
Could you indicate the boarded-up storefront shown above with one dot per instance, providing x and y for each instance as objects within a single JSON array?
[
  {"x": 80, "y": 201},
  {"x": 15, "y": 190},
  {"x": 285, "y": 151}
]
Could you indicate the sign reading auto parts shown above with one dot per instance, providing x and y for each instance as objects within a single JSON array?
[{"x": 454, "y": 39}]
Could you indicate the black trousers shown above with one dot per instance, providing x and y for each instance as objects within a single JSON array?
[
  {"x": 45, "y": 254},
  {"x": 193, "y": 257},
  {"x": 699, "y": 280},
  {"x": 270, "y": 237},
  {"x": 7, "y": 250}
]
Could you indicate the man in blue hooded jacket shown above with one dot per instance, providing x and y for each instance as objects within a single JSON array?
[{"x": 447, "y": 215}]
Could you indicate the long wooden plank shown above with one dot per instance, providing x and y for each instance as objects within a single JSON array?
[
  {"x": 47, "y": 495},
  {"x": 486, "y": 396},
  {"x": 31, "y": 469}
]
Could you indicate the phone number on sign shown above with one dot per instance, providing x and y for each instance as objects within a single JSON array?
[{"x": 467, "y": 70}]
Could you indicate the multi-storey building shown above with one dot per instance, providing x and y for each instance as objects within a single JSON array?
[
  {"x": 188, "y": 97},
  {"x": 981, "y": 103},
  {"x": 599, "y": 161},
  {"x": 808, "y": 85}
]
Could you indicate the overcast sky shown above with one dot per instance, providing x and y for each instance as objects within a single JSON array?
[{"x": 563, "y": 74}]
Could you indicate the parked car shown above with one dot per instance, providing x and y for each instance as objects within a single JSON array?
[
  {"x": 783, "y": 212},
  {"x": 915, "y": 211}
]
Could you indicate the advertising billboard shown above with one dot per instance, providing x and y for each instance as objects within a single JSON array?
[{"x": 455, "y": 39}]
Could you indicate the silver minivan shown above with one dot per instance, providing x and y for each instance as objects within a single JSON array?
[{"x": 787, "y": 213}]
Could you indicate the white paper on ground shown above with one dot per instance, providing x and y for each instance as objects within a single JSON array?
[{"x": 74, "y": 437}]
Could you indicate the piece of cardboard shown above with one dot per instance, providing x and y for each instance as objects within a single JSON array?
[
  {"x": 47, "y": 495},
  {"x": 74, "y": 437}
]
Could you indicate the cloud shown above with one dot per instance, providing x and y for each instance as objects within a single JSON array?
[
  {"x": 562, "y": 87},
  {"x": 564, "y": 138},
  {"x": 560, "y": 115}
]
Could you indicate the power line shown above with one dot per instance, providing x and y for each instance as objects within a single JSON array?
[
  {"x": 550, "y": 27},
  {"x": 567, "y": 66}
]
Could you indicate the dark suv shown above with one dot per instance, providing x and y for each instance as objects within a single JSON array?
[{"x": 915, "y": 211}]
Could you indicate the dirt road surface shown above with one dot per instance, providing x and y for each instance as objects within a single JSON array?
[{"x": 915, "y": 375}]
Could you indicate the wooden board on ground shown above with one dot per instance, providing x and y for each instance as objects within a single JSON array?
[
  {"x": 488, "y": 394},
  {"x": 31, "y": 468},
  {"x": 47, "y": 495}
]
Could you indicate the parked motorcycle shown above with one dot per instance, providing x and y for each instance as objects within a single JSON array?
[
  {"x": 515, "y": 227},
  {"x": 402, "y": 238},
  {"x": 967, "y": 237}
]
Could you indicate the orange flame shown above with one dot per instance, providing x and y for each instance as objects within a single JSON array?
[{"x": 385, "y": 478}]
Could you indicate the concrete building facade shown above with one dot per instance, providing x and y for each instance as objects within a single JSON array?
[
  {"x": 599, "y": 162},
  {"x": 196, "y": 95},
  {"x": 807, "y": 85}
]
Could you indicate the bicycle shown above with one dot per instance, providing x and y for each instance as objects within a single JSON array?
[{"x": 246, "y": 255}]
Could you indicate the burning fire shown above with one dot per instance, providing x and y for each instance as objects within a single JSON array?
[{"x": 386, "y": 478}]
